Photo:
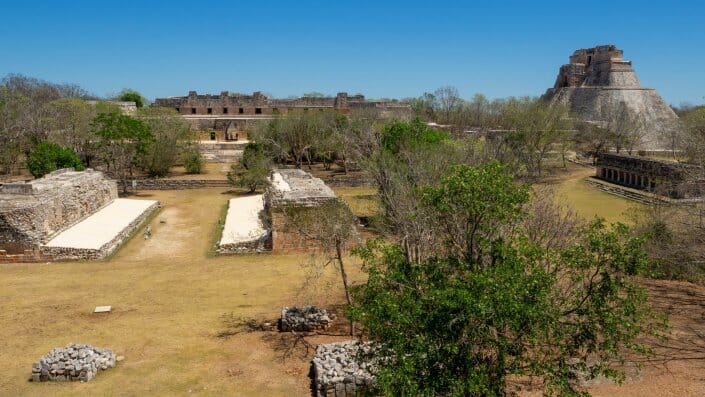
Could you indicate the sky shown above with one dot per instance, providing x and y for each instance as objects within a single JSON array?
[{"x": 382, "y": 49}]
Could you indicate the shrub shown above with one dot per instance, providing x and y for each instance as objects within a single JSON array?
[
  {"x": 47, "y": 157},
  {"x": 193, "y": 162}
]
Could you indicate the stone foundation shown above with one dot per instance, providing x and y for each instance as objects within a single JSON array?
[{"x": 75, "y": 362}]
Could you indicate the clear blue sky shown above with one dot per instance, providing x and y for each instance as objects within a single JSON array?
[{"x": 379, "y": 48}]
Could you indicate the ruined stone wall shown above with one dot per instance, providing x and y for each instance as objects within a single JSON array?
[{"x": 31, "y": 213}]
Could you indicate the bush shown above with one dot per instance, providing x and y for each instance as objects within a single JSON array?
[
  {"x": 193, "y": 162},
  {"x": 47, "y": 157}
]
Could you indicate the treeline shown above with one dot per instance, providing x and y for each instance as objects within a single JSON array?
[
  {"x": 532, "y": 132},
  {"x": 45, "y": 126}
]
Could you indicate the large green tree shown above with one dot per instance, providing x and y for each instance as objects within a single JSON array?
[{"x": 493, "y": 303}]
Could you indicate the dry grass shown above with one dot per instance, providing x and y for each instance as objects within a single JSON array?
[
  {"x": 570, "y": 188},
  {"x": 168, "y": 302},
  {"x": 362, "y": 200}
]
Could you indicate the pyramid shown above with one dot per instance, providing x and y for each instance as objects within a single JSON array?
[{"x": 598, "y": 83}]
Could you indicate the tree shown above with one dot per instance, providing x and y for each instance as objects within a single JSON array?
[
  {"x": 626, "y": 127},
  {"x": 448, "y": 102},
  {"x": 47, "y": 157},
  {"x": 193, "y": 161},
  {"x": 70, "y": 125},
  {"x": 456, "y": 324},
  {"x": 122, "y": 141},
  {"x": 536, "y": 128},
  {"x": 171, "y": 136},
  {"x": 130, "y": 95},
  {"x": 253, "y": 170},
  {"x": 332, "y": 226}
]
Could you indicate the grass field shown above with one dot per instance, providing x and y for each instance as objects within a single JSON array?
[
  {"x": 570, "y": 188},
  {"x": 170, "y": 301},
  {"x": 361, "y": 200}
]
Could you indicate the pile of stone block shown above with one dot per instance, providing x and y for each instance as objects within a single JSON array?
[
  {"x": 75, "y": 362},
  {"x": 338, "y": 371},
  {"x": 307, "y": 318}
]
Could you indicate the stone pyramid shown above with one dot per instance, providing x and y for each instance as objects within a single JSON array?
[{"x": 598, "y": 83}]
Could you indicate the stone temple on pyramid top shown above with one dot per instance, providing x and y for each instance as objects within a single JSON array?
[{"x": 598, "y": 83}]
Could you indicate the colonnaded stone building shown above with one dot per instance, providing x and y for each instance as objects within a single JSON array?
[
  {"x": 226, "y": 116},
  {"x": 667, "y": 178},
  {"x": 598, "y": 83}
]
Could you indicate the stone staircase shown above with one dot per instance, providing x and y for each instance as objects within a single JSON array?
[
  {"x": 627, "y": 193},
  {"x": 222, "y": 152}
]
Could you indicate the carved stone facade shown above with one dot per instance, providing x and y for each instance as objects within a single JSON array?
[
  {"x": 226, "y": 116},
  {"x": 667, "y": 178},
  {"x": 598, "y": 83}
]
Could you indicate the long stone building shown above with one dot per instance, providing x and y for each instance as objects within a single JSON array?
[
  {"x": 667, "y": 178},
  {"x": 598, "y": 83},
  {"x": 227, "y": 116}
]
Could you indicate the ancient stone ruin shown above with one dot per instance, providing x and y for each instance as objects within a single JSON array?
[
  {"x": 32, "y": 212},
  {"x": 294, "y": 189},
  {"x": 67, "y": 214},
  {"x": 340, "y": 370},
  {"x": 227, "y": 115},
  {"x": 307, "y": 318},
  {"x": 666, "y": 178},
  {"x": 598, "y": 83},
  {"x": 75, "y": 362}
]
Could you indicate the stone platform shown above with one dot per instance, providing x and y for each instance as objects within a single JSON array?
[
  {"x": 98, "y": 235},
  {"x": 244, "y": 230}
]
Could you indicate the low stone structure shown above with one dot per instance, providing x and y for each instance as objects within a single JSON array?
[
  {"x": 667, "y": 178},
  {"x": 31, "y": 213},
  {"x": 245, "y": 230},
  {"x": 294, "y": 189},
  {"x": 67, "y": 214},
  {"x": 337, "y": 371},
  {"x": 307, "y": 318},
  {"x": 75, "y": 362}
]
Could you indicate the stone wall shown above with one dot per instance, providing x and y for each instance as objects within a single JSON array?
[
  {"x": 176, "y": 184},
  {"x": 31, "y": 213}
]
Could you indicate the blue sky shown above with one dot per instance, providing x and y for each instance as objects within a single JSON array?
[{"x": 379, "y": 48}]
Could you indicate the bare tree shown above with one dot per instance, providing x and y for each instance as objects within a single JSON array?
[{"x": 332, "y": 226}]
